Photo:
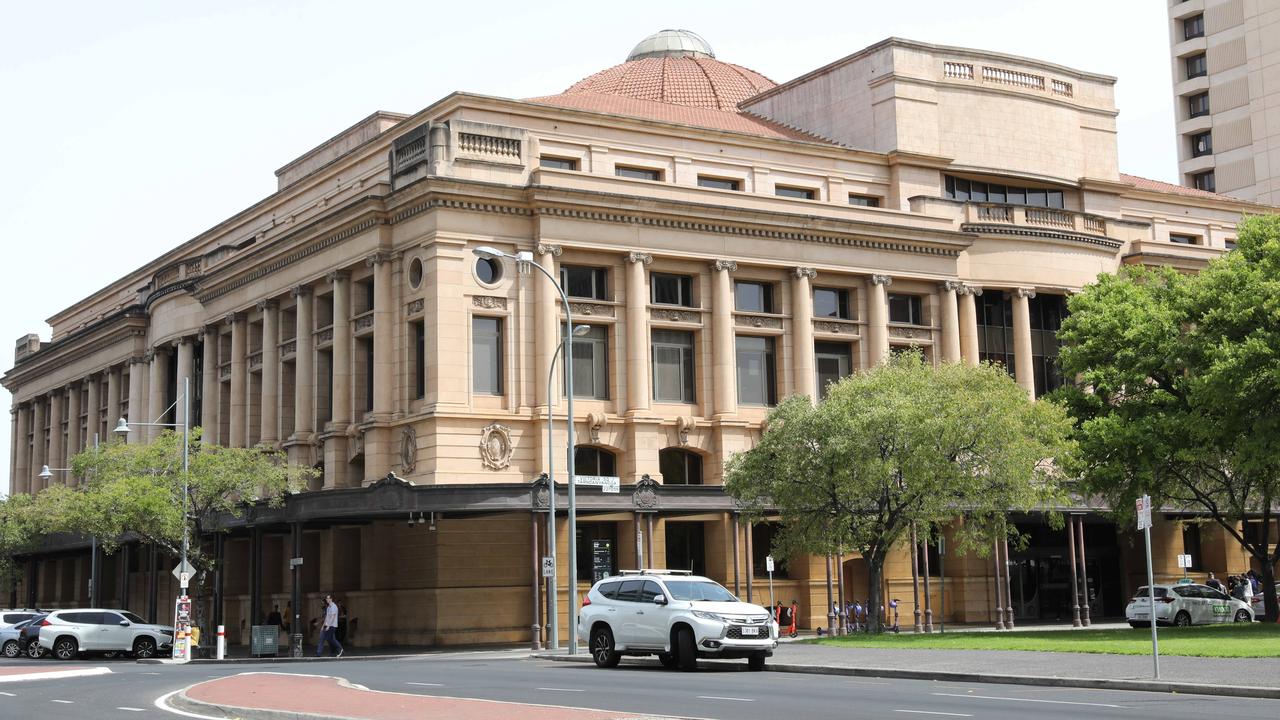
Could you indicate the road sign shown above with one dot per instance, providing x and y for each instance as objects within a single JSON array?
[
  {"x": 295, "y": 562},
  {"x": 1144, "y": 512},
  {"x": 184, "y": 568},
  {"x": 606, "y": 483},
  {"x": 548, "y": 566},
  {"x": 768, "y": 563},
  {"x": 1184, "y": 561}
]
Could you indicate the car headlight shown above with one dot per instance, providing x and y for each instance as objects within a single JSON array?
[{"x": 708, "y": 616}]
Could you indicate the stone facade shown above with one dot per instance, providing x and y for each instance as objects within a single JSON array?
[{"x": 907, "y": 196}]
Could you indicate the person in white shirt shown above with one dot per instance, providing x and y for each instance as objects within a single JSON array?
[{"x": 328, "y": 628}]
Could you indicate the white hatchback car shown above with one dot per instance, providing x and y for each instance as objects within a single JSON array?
[
  {"x": 67, "y": 633},
  {"x": 1184, "y": 605},
  {"x": 675, "y": 615}
]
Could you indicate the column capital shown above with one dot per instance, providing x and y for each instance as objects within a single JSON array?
[
  {"x": 548, "y": 249},
  {"x": 966, "y": 289},
  {"x": 138, "y": 359},
  {"x": 379, "y": 257},
  {"x": 232, "y": 317},
  {"x": 1025, "y": 292},
  {"x": 639, "y": 257},
  {"x": 300, "y": 291},
  {"x": 149, "y": 356},
  {"x": 725, "y": 265},
  {"x": 208, "y": 331},
  {"x": 884, "y": 280},
  {"x": 184, "y": 340},
  {"x": 804, "y": 272},
  {"x": 333, "y": 277},
  {"x": 267, "y": 304},
  {"x": 954, "y": 286}
]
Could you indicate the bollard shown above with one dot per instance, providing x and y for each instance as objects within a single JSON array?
[{"x": 222, "y": 642}]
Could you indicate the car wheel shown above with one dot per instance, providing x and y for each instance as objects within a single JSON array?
[
  {"x": 1182, "y": 619},
  {"x": 110, "y": 654},
  {"x": 667, "y": 659},
  {"x": 11, "y": 649},
  {"x": 1138, "y": 625},
  {"x": 755, "y": 663},
  {"x": 34, "y": 651},
  {"x": 144, "y": 647},
  {"x": 686, "y": 651},
  {"x": 1243, "y": 616},
  {"x": 66, "y": 648},
  {"x": 602, "y": 648}
]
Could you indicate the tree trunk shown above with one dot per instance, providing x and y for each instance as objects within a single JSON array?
[
  {"x": 875, "y": 570},
  {"x": 1268, "y": 576}
]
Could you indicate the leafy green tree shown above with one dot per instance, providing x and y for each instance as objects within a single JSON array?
[
  {"x": 903, "y": 443},
  {"x": 1180, "y": 389}
]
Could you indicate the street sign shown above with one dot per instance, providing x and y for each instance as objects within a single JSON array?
[
  {"x": 184, "y": 568},
  {"x": 295, "y": 562},
  {"x": 548, "y": 566},
  {"x": 768, "y": 563},
  {"x": 1184, "y": 561},
  {"x": 184, "y": 580},
  {"x": 606, "y": 483},
  {"x": 1144, "y": 512}
]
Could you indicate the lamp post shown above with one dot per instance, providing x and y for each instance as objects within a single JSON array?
[
  {"x": 554, "y": 601},
  {"x": 526, "y": 257}
]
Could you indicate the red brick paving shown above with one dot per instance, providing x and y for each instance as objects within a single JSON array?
[
  {"x": 19, "y": 670},
  {"x": 332, "y": 696}
]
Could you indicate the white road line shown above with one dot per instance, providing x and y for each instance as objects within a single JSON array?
[
  {"x": 64, "y": 702},
  {"x": 561, "y": 689},
  {"x": 55, "y": 674},
  {"x": 149, "y": 673},
  {"x": 717, "y": 697},
  {"x": 130, "y": 709},
  {"x": 1034, "y": 700},
  {"x": 932, "y": 712},
  {"x": 8, "y": 694},
  {"x": 163, "y": 704},
  {"x": 426, "y": 684}
]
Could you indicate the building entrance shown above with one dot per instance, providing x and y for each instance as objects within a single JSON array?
[{"x": 1040, "y": 574}]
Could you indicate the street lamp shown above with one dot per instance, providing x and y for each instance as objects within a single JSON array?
[
  {"x": 526, "y": 258},
  {"x": 554, "y": 600}
]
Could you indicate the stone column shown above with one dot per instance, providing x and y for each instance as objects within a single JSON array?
[
  {"x": 158, "y": 380},
  {"x": 1075, "y": 589},
  {"x": 209, "y": 386},
  {"x": 950, "y": 322},
  {"x": 545, "y": 325},
  {"x": 723, "y": 354},
  {"x": 878, "y": 319},
  {"x": 384, "y": 323},
  {"x": 1023, "y": 372},
  {"x": 916, "y": 627},
  {"x": 238, "y": 425},
  {"x": 115, "y": 386},
  {"x": 270, "y": 403},
  {"x": 999, "y": 592},
  {"x": 304, "y": 365},
  {"x": 13, "y": 449},
  {"x": 38, "y": 455},
  {"x": 22, "y": 461},
  {"x": 341, "y": 350},
  {"x": 1084, "y": 574},
  {"x": 969, "y": 324},
  {"x": 137, "y": 398},
  {"x": 56, "y": 447},
  {"x": 93, "y": 411},
  {"x": 804, "y": 379},
  {"x": 73, "y": 425},
  {"x": 638, "y": 393},
  {"x": 184, "y": 382}
]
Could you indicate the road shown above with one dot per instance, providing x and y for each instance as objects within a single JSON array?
[{"x": 721, "y": 693}]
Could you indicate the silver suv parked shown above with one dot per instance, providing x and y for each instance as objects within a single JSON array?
[
  {"x": 67, "y": 633},
  {"x": 675, "y": 615}
]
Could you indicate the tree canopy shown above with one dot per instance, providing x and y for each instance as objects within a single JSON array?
[
  {"x": 901, "y": 444},
  {"x": 1180, "y": 389}
]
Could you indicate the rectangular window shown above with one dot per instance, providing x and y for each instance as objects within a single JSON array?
[
  {"x": 585, "y": 282},
  {"x": 419, "y": 355},
  {"x": 1193, "y": 27},
  {"x": 1184, "y": 239},
  {"x": 833, "y": 361},
  {"x": 1047, "y": 313},
  {"x": 996, "y": 193},
  {"x": 1191, "y": 544},
  {"x": 1204, "y": 181},
  {"x": 637, "y": 173},
  {"x": 907, "y": 309},
  {"x": 831, "y": 303},
  {"x": 486, "y": 355},
  {"x": 673, "y": 368},
  {"x": 1202, "y": 144},
  {"x": 558, "y": 163},
  {"x": 977, "y": 191},
  {"x": 753, "y": 297},
  {"x": 686, "y": 547},
  {"x": 757, "y": 381},
  {"x": 1197, "y": 66},
  {"x": 1198, "y": 104},
  {"x": 995, "y": 329},
  {"x": 864, "y": 200},
  {"x": 591, "y": 363},
  {"x": 668, "y": 289},
  {"x": 717, "y": 183},
  {"x": 794, "y": 192}
]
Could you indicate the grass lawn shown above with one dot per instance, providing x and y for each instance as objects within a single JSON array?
[{"x": 1227, "y": 640}]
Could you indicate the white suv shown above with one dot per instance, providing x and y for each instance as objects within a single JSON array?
[
  {"x": 67, "y": 633},
  {"x": 678, "y": 616}
]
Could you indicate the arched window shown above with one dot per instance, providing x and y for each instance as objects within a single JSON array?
[
  {"x": 590, "y": 460},
  {"x": 680, "y": 467}
]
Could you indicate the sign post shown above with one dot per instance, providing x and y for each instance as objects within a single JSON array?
[
  {"x": 768, "y": 566},
  {"x": 1144, "y": 524},
  {"x": 548, "y": 566},
  {"x": 1184, "y": 562},
  {"x": 182, "y": 614}
]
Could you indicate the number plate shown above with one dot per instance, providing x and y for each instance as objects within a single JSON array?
[{"x": 750, "y": 631}]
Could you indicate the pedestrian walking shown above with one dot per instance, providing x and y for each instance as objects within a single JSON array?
[
  {"x": 857, "y": 616},
  {"x": 274, "y": 617},
  {"x": 1246, "y": 589},
  {"x": 795, "y": 617},
  {"x": 893, "y": 604},
  {"x": 329, "y": 627}
]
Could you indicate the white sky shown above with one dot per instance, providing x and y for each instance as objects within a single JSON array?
[{"x": 131, "y": 126}]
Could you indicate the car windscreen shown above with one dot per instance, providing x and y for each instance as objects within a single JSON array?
[
  {"x": 1142, "y": 593},
  {"x": 132, "y": 618},
  {"x": 699, "y": 590}
]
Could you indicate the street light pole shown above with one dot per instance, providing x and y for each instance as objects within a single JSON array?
[{"x": 553, "y": 604}]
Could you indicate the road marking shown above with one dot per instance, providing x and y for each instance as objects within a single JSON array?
[
  {"x": 55, "y": 674},
  {"x": 163, "y": 704},
  {"x": 717, "y": 697},
  {"x": 932, "y": 712},
  {"x": 561, "y": 689},
  {"x": 149, "y": 673},
  {"x": 64, "y": 702},
  {"x": 130, "y": 709},
  {"x": 1034, "y": 700},
  {"x": 8, "y": 694},
  {"x": 426, "y": 684}
]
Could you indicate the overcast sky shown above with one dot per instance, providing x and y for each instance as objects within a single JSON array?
[{"x": 129, "y": 127}]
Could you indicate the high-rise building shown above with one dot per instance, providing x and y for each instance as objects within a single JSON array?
[{"x": 1226, "y": 86}]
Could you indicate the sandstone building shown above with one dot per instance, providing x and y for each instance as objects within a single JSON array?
[{"x": 727, "y": 240}]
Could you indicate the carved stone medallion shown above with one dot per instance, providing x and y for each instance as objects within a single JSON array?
[
  {"x": 495, "y": 446},
  {"x": 408, "y": 448},
  {"x": 645, "y": 496}
]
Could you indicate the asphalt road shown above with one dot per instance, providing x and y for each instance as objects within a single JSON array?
[{"x": 732, "y": 694}]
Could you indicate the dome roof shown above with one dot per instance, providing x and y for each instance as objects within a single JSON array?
[
  {"x": 672, "y": 43},
  {"x": 693, "y": 78}
]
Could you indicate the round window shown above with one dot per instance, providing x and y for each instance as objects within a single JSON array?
[
  {"x": 415, "y": 273},
  {"x": 488, "y": 270}
]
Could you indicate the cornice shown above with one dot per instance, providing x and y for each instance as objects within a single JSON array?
[
  {"x": 106, "y": 333},
  {"x": 1023, "y": 231}
]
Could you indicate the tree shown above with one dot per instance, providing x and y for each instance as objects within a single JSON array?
[
  {"x": 1180, "y": 389},
  {"x": 905, "y": 443}
]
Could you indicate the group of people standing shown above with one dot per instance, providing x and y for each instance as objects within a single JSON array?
[{"x": 1241, "y": 587}]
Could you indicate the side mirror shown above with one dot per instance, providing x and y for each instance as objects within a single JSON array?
[
  {"x": 659, "y": 600},
  {"x": 124, "y": 623}
]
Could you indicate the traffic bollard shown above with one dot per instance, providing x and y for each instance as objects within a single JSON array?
[{"x": 222, "y": 642}]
